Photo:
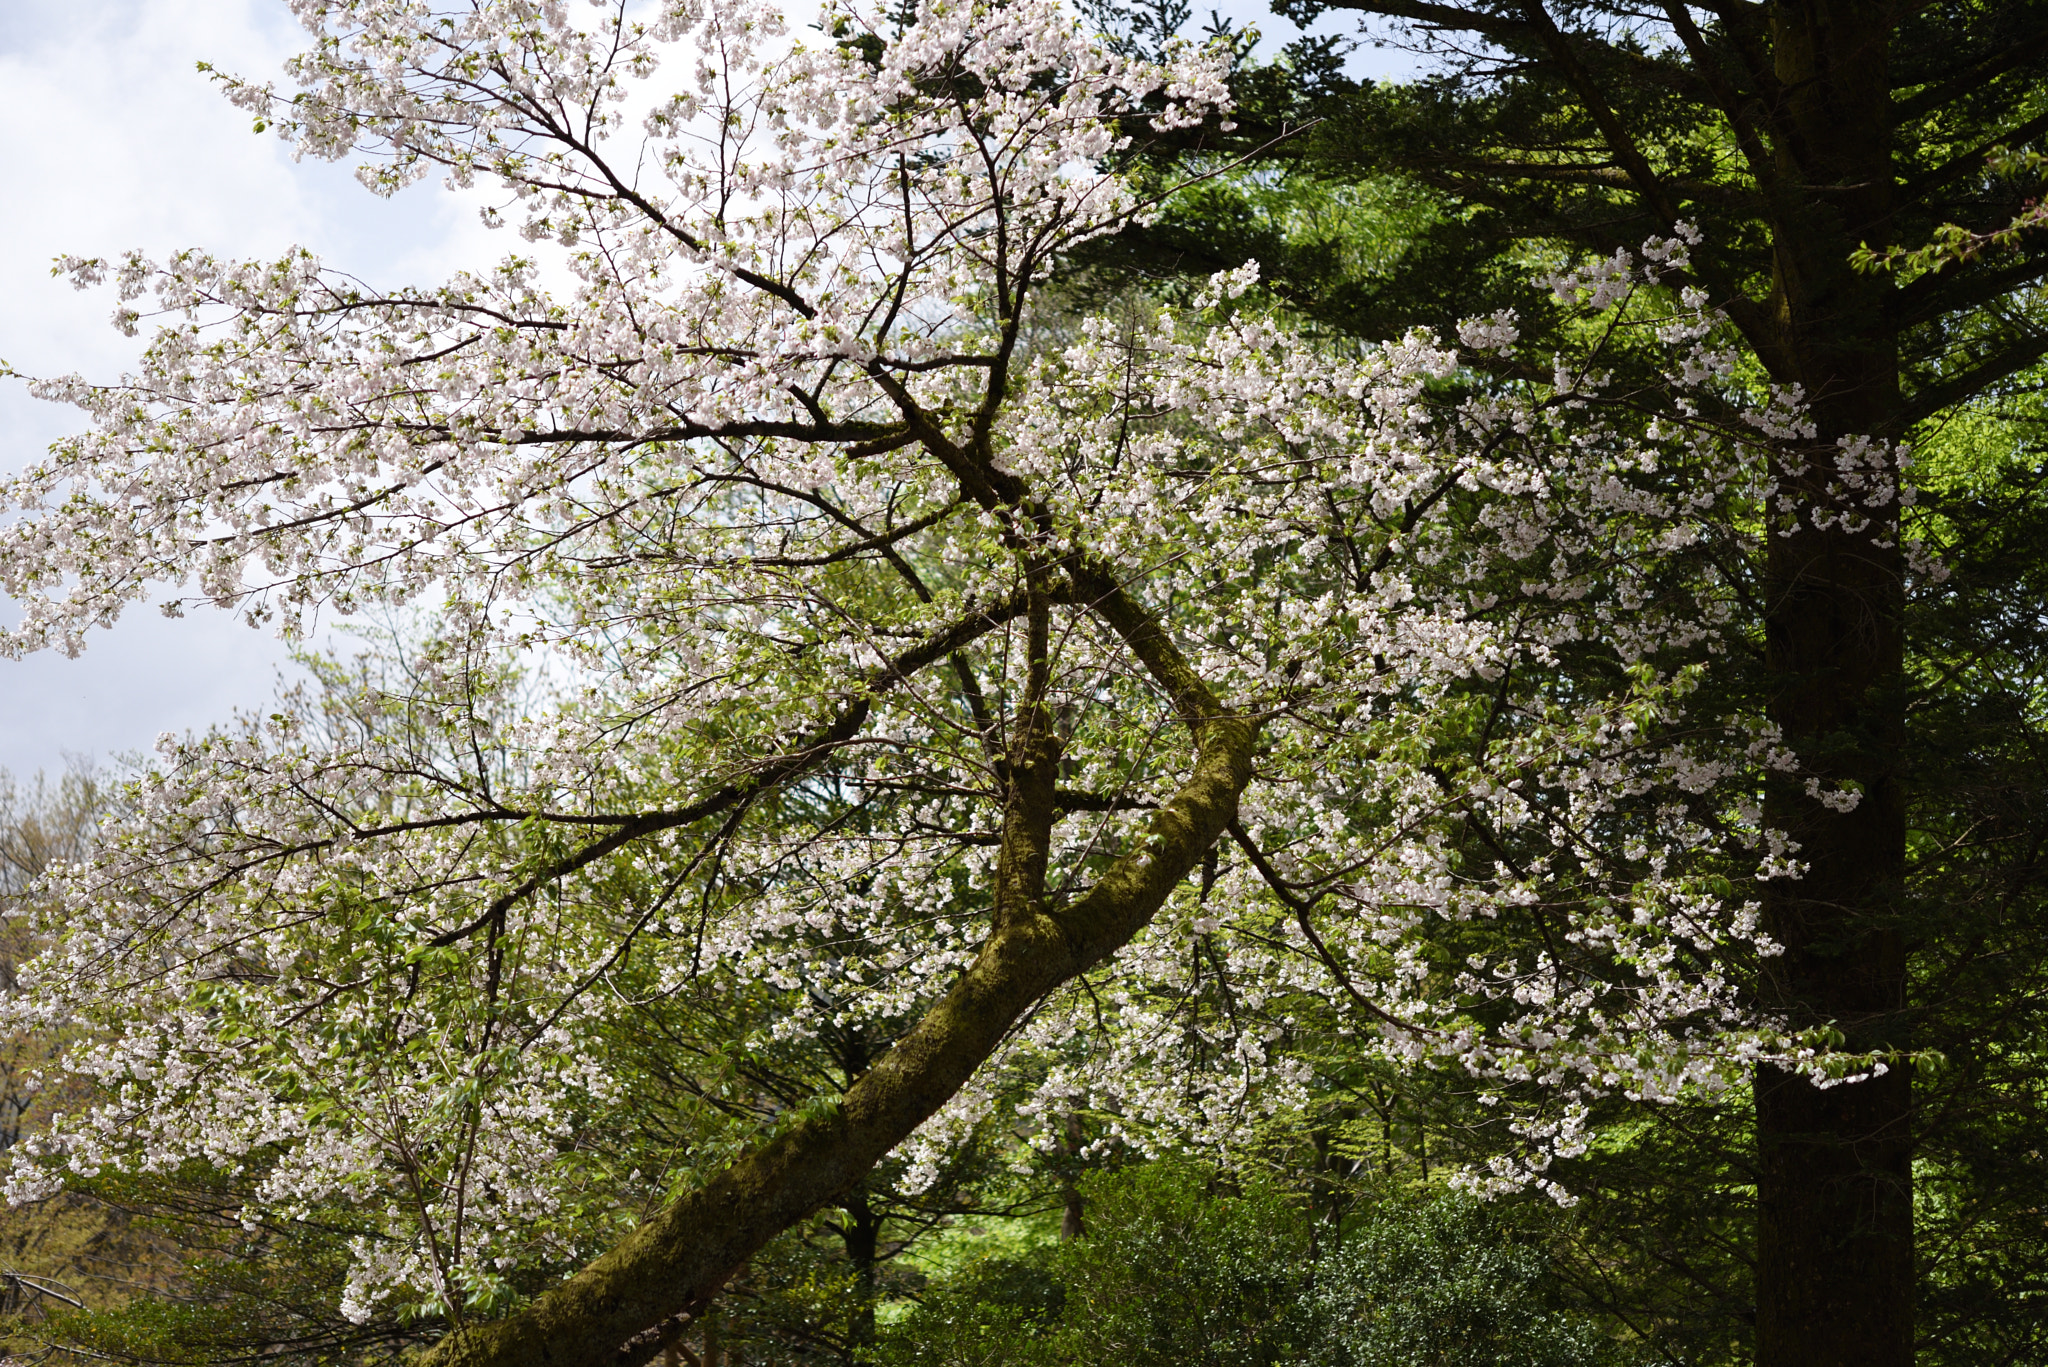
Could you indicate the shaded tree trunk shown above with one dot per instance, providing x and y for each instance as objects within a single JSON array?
[
  {"x": 1073, "y": 1214},
  {"x": 1835, "y": 1237},
  {"x": 861, "y": 1233}
]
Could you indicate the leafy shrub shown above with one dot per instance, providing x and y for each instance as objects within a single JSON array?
[
  {"x": 1182, "y": 1269},
  {"x": 1443, "y": 1282},
  {"x": 997, "y": 1312}
]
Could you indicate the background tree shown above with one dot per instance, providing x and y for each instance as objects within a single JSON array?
[
  {"x": 1798, "y": 138},
  {"x": 42, "y": 824}
]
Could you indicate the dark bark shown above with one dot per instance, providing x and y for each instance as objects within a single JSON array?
[
  {"x": 1835, "y": 1232},
  {"x": 861, "y": 1231},
  {"x": 1073, "y": 1210}
]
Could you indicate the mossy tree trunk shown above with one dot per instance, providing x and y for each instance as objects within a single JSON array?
[{"x": 625, "y": 1306}]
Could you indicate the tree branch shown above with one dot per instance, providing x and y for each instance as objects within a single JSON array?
[
  {"x": 1930, "y": 400},
  {"x": 682, "y": 1255},
  {"x": 765, "y": 775}
]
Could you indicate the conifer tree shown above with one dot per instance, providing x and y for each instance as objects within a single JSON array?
[{"x": 1817, "y": 148}]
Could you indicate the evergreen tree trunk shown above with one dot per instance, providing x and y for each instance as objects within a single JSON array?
[
  {"x": 862, "y": 1234},
  {"x": 1835, "y": 1239},
  {"x": 1073, "y": 1211}
]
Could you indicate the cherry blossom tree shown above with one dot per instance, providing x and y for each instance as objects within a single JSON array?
[{"x": 1064, "y": 706}]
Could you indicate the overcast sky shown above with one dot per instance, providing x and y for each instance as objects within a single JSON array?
[{"x": 109, "y": 140}]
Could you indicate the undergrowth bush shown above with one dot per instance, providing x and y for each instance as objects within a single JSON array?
[{"x": 1181, "y": 1267}]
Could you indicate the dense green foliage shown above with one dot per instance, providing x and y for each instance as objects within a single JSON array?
[{"x": 1188, "y": 1268}]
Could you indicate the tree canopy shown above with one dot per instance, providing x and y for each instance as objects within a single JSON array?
[{"x": 828, "y": 632}]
